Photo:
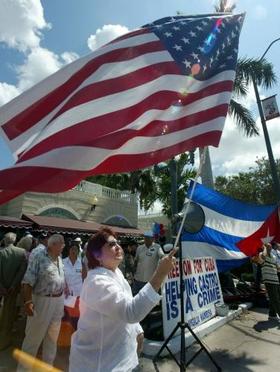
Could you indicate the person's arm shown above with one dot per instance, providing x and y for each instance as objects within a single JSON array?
[
  {"x": 164, "y": 267},
  {"x": 28, "y": 303},
  {"x": 263, "y": 255},
  {"x": 102, "y": 294},
  {"x": 20, "y": 272},
  {"x": 28, "y": 283}
]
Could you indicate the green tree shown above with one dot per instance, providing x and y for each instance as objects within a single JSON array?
[
  {"x": 254, "y": 186},
  {"x": 152, "y": 184},
  {"x": 141, "y": 182},
  {"x": 163, "y": 183}
]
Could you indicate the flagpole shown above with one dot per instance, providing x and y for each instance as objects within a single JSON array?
[
  {"x": 273, "y": 167},
  {"x": 202, "y": 159}
]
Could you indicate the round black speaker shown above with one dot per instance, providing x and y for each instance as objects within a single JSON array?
[{"x": 195, "y": 217}]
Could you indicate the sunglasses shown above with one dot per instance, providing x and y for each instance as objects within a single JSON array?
[{"x": 113, "y": 243}]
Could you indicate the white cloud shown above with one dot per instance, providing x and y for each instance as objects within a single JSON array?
[
  {"x": 237, "y": 153},
  {"x": 21, "y": 23},
  {"x": 7, "y": 92},
  {"x": 39, "y": 64},
  {"x": 104, "y": 35},
  {"x": 69, "y": 57}
]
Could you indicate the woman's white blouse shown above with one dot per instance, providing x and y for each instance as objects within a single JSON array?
[
  {"x": 109, "y": 323},
  {"x": 73, "y": 276}
]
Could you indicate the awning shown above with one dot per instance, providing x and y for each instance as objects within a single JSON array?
[
  {"x": 64, "y": 225},
  {"x": 14, "y": 222}
]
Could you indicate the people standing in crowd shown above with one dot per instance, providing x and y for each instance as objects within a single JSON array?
[
  {"x": 146, "y": 260},
  {"x": 26, "y": 243},
  {"x": 74, "y": 270},
  {"x": 271, "y": 282},
  {"x": 129, "y": 261},
  {"x": 75, "y": 273},
  {"x": 12, "y": 268},
  {"x": 78, "y": 241},
  {"x": 108, "y": 328},
  {"x": 276, "y": 254},
  {"x": 43, "y": 242},
  {"x": 257, "y": 272},
  {"x": 43, "y": 287}
]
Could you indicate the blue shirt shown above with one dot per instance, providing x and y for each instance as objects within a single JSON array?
[{"x": 44, "y": 275}]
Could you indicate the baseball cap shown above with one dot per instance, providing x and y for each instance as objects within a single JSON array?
[
  {"x": 148, "y": 234},
  {"x": 43, "y": 235}
]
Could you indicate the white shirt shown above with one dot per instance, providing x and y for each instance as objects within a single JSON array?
[
  {"x": 73, "y": 276},
  {"x": 147, "y": 261},
  {"x": 109, "y": 323},
  {"x": 40, "y": 247}
]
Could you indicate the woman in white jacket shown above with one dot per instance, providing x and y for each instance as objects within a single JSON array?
[{"x": 108, "y": 328}]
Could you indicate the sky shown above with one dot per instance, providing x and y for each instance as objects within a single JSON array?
[{"x": 39, "y": 37}]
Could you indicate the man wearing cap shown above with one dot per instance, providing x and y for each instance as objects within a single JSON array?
[
  {"x": 78, "y": 241},
  {"x": 146, "y": 261}
]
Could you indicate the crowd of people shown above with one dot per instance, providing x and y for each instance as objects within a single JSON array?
[
  {"x": 114, "y": 287},
  {"x": 38, "y": 274}
]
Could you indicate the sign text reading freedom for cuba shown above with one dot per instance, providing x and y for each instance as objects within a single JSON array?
[{"x": 202, "y": 291}]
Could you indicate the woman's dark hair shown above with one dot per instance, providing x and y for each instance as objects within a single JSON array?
[{"x": 95, "y": 245}]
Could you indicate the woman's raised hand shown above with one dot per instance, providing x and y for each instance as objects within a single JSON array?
[{"x": 165, "y": 265}]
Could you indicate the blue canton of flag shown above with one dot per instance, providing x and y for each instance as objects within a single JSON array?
[{"x": 202, "y": 46}]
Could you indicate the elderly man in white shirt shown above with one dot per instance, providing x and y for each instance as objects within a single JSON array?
[
  {"x": 43, "y": 287},
  {"x": 146, "y": 261}
]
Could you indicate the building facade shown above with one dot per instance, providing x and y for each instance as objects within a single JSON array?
[{"x": 87, "y": 202}]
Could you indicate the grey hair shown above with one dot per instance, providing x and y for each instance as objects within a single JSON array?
[
  {"x": 25, "y": 243},
  {"x": 55, "y": 238},
  {"x": 10, "y": 238}
]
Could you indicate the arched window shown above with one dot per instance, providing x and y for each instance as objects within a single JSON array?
[{"x": 58, "y": 212}]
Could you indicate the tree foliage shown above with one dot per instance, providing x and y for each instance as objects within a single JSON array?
[
  {"x": 255, "y": 186},
  {"x": 152, "y": 184}
]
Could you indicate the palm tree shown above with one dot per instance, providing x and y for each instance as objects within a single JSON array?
[{"x": 247, "y": 69}]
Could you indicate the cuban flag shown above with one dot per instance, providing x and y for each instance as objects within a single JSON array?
[{"x": 233, "y": 230}]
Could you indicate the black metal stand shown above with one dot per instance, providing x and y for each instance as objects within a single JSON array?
[{"x": 183, "y": 364}]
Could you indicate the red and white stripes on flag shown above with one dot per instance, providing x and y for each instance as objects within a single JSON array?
[{"x": 126, "y": 106}]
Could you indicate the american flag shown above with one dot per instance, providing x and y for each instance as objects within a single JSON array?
[{"x": 146, "y": 96}]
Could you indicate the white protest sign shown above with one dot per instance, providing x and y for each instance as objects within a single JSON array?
[{"x": 202, "y": 290}]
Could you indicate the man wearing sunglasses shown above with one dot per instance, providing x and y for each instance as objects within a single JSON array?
[{"x": 146, "y": 261}]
